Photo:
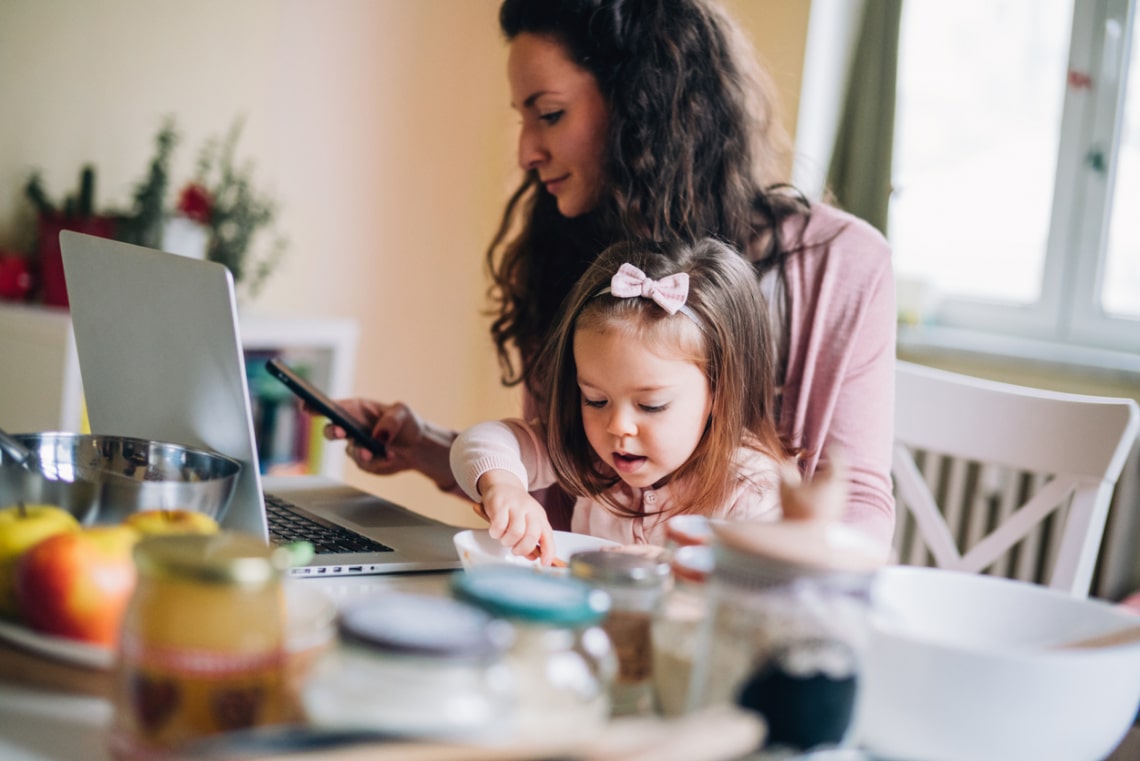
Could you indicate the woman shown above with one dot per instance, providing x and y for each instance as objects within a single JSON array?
[{"x": 650, "y": 119}]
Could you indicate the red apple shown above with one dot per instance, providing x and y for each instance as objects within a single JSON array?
[
  {"x": 78, "y": 584},
  {"x": 21, "y": 528}
]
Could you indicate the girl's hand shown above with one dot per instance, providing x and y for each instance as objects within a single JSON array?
[{"x": 518, "y": 521}]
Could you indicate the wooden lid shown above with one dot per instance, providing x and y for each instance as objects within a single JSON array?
[{"x": 810, "y": 536}]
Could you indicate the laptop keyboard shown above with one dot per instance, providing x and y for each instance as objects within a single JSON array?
[{"x": 286, "y": 524}]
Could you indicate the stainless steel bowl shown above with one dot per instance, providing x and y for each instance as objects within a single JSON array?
[{"x": 103, "y": 479}]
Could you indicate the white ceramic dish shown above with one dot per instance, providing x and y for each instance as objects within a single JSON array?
[
  {"x": 62, "y": 649},
  {"x": 967, "y": 667},
  {"x": 476, "y": 547}
]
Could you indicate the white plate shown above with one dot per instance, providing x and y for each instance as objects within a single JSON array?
[
  {"x": 309, "y": 621},
  {"x": 478, "y": 548},
  {"x": 71, "y": 651}
]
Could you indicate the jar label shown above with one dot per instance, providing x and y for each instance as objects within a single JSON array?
[{"x": 167, "y": 696}]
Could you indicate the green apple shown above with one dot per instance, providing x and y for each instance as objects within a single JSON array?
[
  {"x": 78, "y": 584},
  {"x": 22, "y": 527},
  {"x": 158, "y": 522}
]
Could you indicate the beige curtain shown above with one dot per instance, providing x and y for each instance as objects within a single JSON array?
[{"x": 860, "y": 172}]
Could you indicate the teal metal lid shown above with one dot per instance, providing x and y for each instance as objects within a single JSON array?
[{"x": 524, "y": 594}]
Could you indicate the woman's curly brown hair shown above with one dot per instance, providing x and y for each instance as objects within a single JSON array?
[{"x": 694, "y": 150}]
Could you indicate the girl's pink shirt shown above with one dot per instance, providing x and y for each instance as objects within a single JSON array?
[{"x": 518, "y": 447}]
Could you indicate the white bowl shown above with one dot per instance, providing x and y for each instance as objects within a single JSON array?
[
  {"x": 476, "y": 547},
  {"x": 967, "y": 667}
]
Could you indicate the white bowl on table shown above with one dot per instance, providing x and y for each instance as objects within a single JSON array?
[
  {"x": 476, "y": 547},
  {"x": 966, "y": 666}
]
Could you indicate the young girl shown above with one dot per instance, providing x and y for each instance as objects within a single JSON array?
[{"x": 658, "y": 382}]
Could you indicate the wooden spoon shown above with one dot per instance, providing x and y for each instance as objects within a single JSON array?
[{"x": 1124, "y": 636}]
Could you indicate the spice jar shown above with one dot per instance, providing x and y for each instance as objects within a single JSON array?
[
  {"x": 201, "y": 648},
  {"x": 789, "y": 621},
  {"x": 687, "y": 530},
  {"x": 676, "y": 627},
  {"x": 563, "y": 661},
  {"x": 635, "y": 584},
  {"x": 415, "y": 665}
]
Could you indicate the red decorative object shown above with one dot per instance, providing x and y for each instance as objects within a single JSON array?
[
  {"x": 15, "y": 277},
  {"x": 54, "y": 287},
  {"x": 195, "y": 203},
  {"x": 1080, "y": 80}
]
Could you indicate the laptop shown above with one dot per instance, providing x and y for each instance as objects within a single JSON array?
[{"x": 157, "y": 338}]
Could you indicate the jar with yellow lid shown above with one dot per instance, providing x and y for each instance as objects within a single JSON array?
[{"x": 201, "y": 649}]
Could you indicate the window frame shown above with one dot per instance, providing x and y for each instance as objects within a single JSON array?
[{"x": 1066, "y": 324}]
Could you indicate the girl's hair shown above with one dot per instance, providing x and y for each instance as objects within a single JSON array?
[
  {"x": 729, "y": 340},
  {"x": 694, "y": 150}
]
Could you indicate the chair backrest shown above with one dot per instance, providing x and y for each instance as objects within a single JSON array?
[{"x": 1005, "y": 479}]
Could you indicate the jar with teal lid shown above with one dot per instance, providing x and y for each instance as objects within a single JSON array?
[
  {"x": 418, "y": 666},
  {"x": 563, "y": 661}
]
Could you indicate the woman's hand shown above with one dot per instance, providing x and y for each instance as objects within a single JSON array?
[
  {"x": 411, "y": 443},
  {"x": 517, "y": 520}
]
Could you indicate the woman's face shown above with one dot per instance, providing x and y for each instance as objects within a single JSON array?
[{"x": 564, "y": 122}]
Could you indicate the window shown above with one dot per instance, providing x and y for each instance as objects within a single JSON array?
[{"x": 1017, "y": 167}]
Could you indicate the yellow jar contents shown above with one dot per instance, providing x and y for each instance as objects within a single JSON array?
[{"x": 202, "y": 644}]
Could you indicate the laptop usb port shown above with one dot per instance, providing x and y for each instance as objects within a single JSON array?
[{"x": 355, "y": 568}]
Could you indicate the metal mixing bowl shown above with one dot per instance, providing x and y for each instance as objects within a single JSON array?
[{"x": 103, "y": 479}]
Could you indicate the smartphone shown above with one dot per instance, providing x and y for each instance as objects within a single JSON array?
[{"x": 317, "y": 400}]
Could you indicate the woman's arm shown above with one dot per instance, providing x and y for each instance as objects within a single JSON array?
[{"x": 839, "y": 389}]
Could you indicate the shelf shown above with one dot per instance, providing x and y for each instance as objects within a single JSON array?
[{"x": 43, "y": 390}]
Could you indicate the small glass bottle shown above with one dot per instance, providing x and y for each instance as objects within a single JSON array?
[
  {"x": 201, "y": 649},
  {"x": 687, "y": 530},
  {"x": 676, "y": 627},
  {"x": 788, "y": 625},
  {"x": 563, "y": 661},
  {"x": 415, "y": 665},
  {"x": 635, "y": 584}
]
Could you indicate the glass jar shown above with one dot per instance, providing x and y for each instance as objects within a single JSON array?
[
  {"x": 563, "y": 661},
  {"x": 201, "y": 649},
  {"x": 676, "y": 627},
  {"x": 415, "y": 665},
  {"x": 635, "y": 584},
  {"x": 687, "y": 530},
  {"x": 788, "y": 626}
]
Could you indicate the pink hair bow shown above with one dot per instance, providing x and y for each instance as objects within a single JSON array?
[{"x": 670, "y": 293}]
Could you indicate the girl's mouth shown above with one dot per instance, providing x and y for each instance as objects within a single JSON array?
[{"x": 627, "y": 463}]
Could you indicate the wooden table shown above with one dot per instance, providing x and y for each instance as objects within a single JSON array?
[{"x": 50, "y": 712}]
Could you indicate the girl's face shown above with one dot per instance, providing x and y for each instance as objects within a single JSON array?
[
  {"x": 564, "y": 122},
  {"x": 644, "y": 411}
]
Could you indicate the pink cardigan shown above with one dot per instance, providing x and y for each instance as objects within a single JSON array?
[{"x": 839, "y": 390}]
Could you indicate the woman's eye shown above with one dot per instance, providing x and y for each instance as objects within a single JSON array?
[
  {"x": 551, "y": 117},
  {"x": 653, "y": 407},
  {"x": 595, "y": 404}
]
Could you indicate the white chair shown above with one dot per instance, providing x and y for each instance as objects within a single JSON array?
[{"x": 1005, "y": 479}]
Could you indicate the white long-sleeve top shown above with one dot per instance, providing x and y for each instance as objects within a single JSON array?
[{"x": 519, "y": 447}]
